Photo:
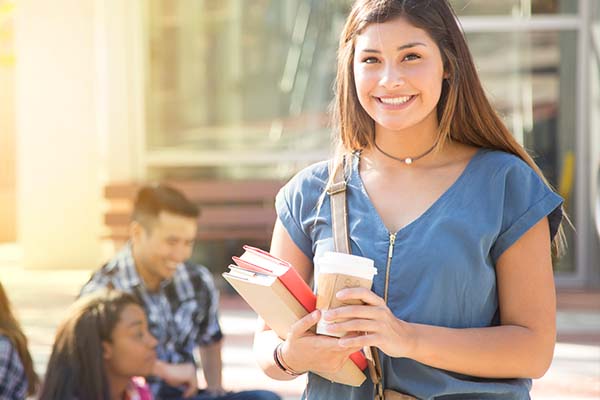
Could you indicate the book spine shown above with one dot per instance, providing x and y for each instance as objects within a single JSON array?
[
  {"x": 359, "y": 359},
  {"x": 299, "y": 288}
]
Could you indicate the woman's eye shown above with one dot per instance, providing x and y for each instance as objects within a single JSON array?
[
  {"x": 411, "y": 57},
  {"x": 370, "y": 60}
]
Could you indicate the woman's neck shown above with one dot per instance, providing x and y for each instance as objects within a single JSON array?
[
  {"x": 415, "y": 143},
  {"x": 118, "y": 386}
]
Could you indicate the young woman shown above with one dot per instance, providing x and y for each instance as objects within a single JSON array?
[
  {"x": 99, "y": 348},
  {"x": 17, "y": 376},
  {"x": 455, "y": 214}
]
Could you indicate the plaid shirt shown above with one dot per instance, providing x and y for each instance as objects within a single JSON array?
[
  {"x": 13, "y": 382},
  {"x": 182, "y": 314}
]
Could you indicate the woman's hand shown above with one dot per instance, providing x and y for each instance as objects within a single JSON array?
[
  {"x": 371, "y": 324},
  {"x": 303, "y": 350}
]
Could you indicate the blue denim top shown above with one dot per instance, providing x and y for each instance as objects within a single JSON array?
[{"x": 443, "y": 264}]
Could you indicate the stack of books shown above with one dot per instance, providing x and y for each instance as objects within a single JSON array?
[{"x": 277, "y": 293}]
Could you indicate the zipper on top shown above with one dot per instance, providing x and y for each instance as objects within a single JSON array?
[{"x": 389, "y": 264}]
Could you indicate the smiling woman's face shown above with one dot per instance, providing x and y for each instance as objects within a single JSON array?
[
  {"x": 132, "y": 350},
  {"x": 398, "y": 73}
]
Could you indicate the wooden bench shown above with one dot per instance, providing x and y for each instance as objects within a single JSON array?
[{"x": 238, "y": 210}]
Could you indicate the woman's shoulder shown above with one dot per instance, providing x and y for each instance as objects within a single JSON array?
[
  {"x": 493, "y": 174},
  {"x": 496, "y": 168},
  {"x": 6, "y": 349},
  {"x": 317, "y": 173},
  {"x": 5, "y": 342},
  {"x": 502, "y": 161},
  {"x": 11, "y": 366},
  {"x": 309, "y": 180}
]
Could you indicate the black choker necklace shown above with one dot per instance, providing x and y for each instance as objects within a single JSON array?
[{"x": 407, "y": 160}]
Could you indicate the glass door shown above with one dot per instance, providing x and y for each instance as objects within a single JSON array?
[{"x": 526, "y": 52}]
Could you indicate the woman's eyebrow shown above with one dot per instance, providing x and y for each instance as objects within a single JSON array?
[{"x": 403, "y": 47}]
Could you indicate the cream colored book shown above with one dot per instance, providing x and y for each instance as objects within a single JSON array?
[{"x": 270, "y": 299}]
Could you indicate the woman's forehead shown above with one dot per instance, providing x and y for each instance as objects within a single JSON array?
[
  {"x": 397, "y": 32},
  {"x": 132, "y": 314}
]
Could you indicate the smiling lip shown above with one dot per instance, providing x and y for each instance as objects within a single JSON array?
[{"x": 395, "y": 103}]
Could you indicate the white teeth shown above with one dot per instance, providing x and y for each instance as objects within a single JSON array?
[{"x": 395, "y": 100}]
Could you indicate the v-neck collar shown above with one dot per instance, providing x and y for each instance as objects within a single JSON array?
[{"x": 436, "y": 204}]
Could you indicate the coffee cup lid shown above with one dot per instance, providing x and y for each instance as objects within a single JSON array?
[{"x": 342, "y": 263}]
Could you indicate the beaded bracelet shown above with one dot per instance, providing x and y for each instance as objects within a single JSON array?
[{"x": 281, "y": 364}]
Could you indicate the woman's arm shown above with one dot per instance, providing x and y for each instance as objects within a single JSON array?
[
  {"x": 522, "y": 346},
  {"x": 302, "y": 350}
]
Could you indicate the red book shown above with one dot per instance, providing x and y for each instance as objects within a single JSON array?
[
  {"x": 262, "y": 262},
  {"x": 258, "y": 260}
]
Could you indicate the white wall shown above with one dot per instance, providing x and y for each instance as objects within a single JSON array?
[
  {"x": 120, "y": 51},
  {"x": 58, "y": 168},
  {"x": 7, "y": 155},
  {"x": 79, "y": 107}
]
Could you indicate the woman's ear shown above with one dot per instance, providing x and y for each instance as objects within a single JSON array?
[{"x": 107, "y": 351}]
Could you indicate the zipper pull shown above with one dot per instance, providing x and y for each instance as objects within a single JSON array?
[{"x": 392, "y": 241}]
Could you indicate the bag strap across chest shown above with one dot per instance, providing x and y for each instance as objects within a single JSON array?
[{"x": 339, "y": 225}]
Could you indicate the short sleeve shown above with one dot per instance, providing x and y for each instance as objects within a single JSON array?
[
  {"x": 527, "y": 199},
  {"x": 297, "y": 204}
]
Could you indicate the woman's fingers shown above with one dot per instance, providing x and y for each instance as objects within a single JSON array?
[
  {"x": 364, "y": 312},
  {"x": 300, "y": 327},
  {"x": 363, "y": 294},
  {"x": 359, "y": 341},
  {"x": 356, "y": 325}
]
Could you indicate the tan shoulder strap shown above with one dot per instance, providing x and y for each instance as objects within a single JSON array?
[
  {"x": 339, "y": 216},
  {"x": 339, "y": 225}
]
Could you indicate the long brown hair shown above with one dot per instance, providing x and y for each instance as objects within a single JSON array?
[
  {"x": 10, "y": 327},
  {"x": 76, "y": 366},
  {"x": 464, "y": 113}
]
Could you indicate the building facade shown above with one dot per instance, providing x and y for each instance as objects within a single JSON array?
[{"x": 234, "y": 89}]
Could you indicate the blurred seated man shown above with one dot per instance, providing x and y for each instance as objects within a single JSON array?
[{"x": 179, "y": 298}]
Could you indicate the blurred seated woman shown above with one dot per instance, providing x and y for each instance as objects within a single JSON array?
[
  {"x": 17, "y": 377},
  {"x": 100, "y": 350}
]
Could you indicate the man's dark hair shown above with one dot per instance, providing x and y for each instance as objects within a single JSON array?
[{"x": 153, "y": 199}]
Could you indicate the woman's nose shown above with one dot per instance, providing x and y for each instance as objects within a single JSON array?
[
  {"x": 392, "y": 77},
  {"x": 152, "y": 342}
]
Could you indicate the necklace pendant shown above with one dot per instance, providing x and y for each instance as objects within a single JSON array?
[{"x": 408, "y": 161}]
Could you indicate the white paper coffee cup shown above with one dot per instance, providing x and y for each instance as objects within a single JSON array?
[{"x": 338, "y": 271}]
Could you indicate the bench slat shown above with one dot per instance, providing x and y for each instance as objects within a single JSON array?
[
  {"x": 241, "y": 210},
  {"x": 206, "y": 191},
  {"x": 121, "y": 234},
  {"x": 236, "y": 216}
]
